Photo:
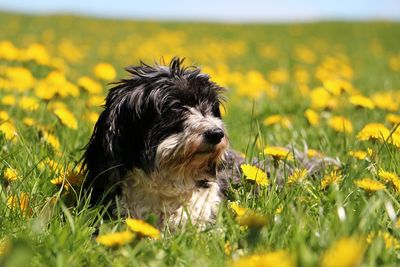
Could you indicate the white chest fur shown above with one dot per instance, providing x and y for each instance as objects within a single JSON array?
[{"x": 174, "y": 201}]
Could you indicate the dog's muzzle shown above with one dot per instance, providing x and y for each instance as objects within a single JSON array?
[
  {"x": 213, "y": 136},
  {"x": 212, "y": 141}
]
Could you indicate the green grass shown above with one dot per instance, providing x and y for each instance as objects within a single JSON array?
[{"x": 55, "y": 232}]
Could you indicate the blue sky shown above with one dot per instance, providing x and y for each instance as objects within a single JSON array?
[{"x": 215, "y": 10}]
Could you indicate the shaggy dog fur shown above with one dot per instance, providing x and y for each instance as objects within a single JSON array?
[{"x": 157, "y": 146}]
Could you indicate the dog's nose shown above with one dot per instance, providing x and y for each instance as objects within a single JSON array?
[{"x": 214, "y": 136}]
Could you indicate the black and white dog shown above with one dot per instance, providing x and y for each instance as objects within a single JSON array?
[{"x": 158, "y": 145}]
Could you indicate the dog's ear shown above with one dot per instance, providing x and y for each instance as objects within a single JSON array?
[
  {"x": 130, "y": 110},
  {"x": 117, "y": 138},
  {"x": 123, "y": 109}
]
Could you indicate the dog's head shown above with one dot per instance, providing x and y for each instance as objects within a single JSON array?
[{"x": 163, "y": 118}]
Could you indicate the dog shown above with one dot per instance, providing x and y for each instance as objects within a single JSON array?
[{"x": 158, "y": 146}]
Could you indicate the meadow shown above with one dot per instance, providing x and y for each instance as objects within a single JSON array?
[{"x": 328, "y": 88}]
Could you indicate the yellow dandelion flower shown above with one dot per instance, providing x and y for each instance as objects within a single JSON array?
[
  {"x": 10, "y": 174},
  {"x": 51, "y": 139},
  {"x": 8, "y": 51},
  {"x": 69, "y": 89},
  {"x": 95, "y": 101},
  {"x": 340, "y": 124},
  {"x": 54, "y": 84},
  {"x": 362, "y": 101},
  {"x": 52, "y": 165},
  {"x": 393, "y": 119},
  {"x": 227, "y": 248},
  {"x": 8, "y": 100},
  {"x": 92, "y": 116},
  {"x": 240, "y": 211},
  {"x": 59, "y": 181},
  {"x": 53, "y": 105},
  {"x": 345, "y": 252},
  {"x": 278, "y": 153},
  {"x": 297, "y": 176},
  {"x": 390, "y": 241},
  {"x": 20, "y": 78},
  {"x": 322, "y": 99},
  {"x": 20, "y": 202},
  {"x": 333, "y": 86},
  {"x": 29, "y": 121},
  {"x": 385, "y": 101},
  {"x": 63, "y": 87},
  {"x": 332, "y": 178},
  {"x": 255, "y": 174},
  {"x": 387, "y": 176},
  {"x": 8, "y": 129},
  {"x": 369, "y": 185},
  {"x": 4, "y": 116},
  {"x": 278, "y": 258},
  {"x": 277, "y": 119},
  {"x": 370, "y": 237},
  {"x": 390, "y": 177},
  {"x": 28, "y": 103},
  {"x": 36, "y": 52},
  {"x": 45, "y": 90},
  {"x": 105, "y": 71},
  {"x": 143, "y": 228},
  {"x": 115, "y": 239},
  {"x": 66, "y": 117},
  {"x": 90, "y": 85},
  {"x": 312, "y": 117},
  {"x": 56, "y": 78},
  {"x": 279, "y": 209},
  {"x": 395, "y": 139},
  {"x": 70, "y": 178},
  {"x": 373, "y": 131},
  {"x": 253, "y": 85},
  {"x": 358, "y": 154}
]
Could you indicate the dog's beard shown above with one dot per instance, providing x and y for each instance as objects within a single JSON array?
[{"x": 187, "y": 154}]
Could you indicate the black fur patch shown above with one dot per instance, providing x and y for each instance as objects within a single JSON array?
[{"x": 203, "y": 184}]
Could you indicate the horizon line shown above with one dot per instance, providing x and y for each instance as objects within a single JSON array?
[{"x": 201, "y": 19}]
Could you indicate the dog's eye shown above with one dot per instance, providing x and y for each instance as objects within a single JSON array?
[
  {"x": 215, "y": 111},
  {"x": 179, "y": 109}
]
